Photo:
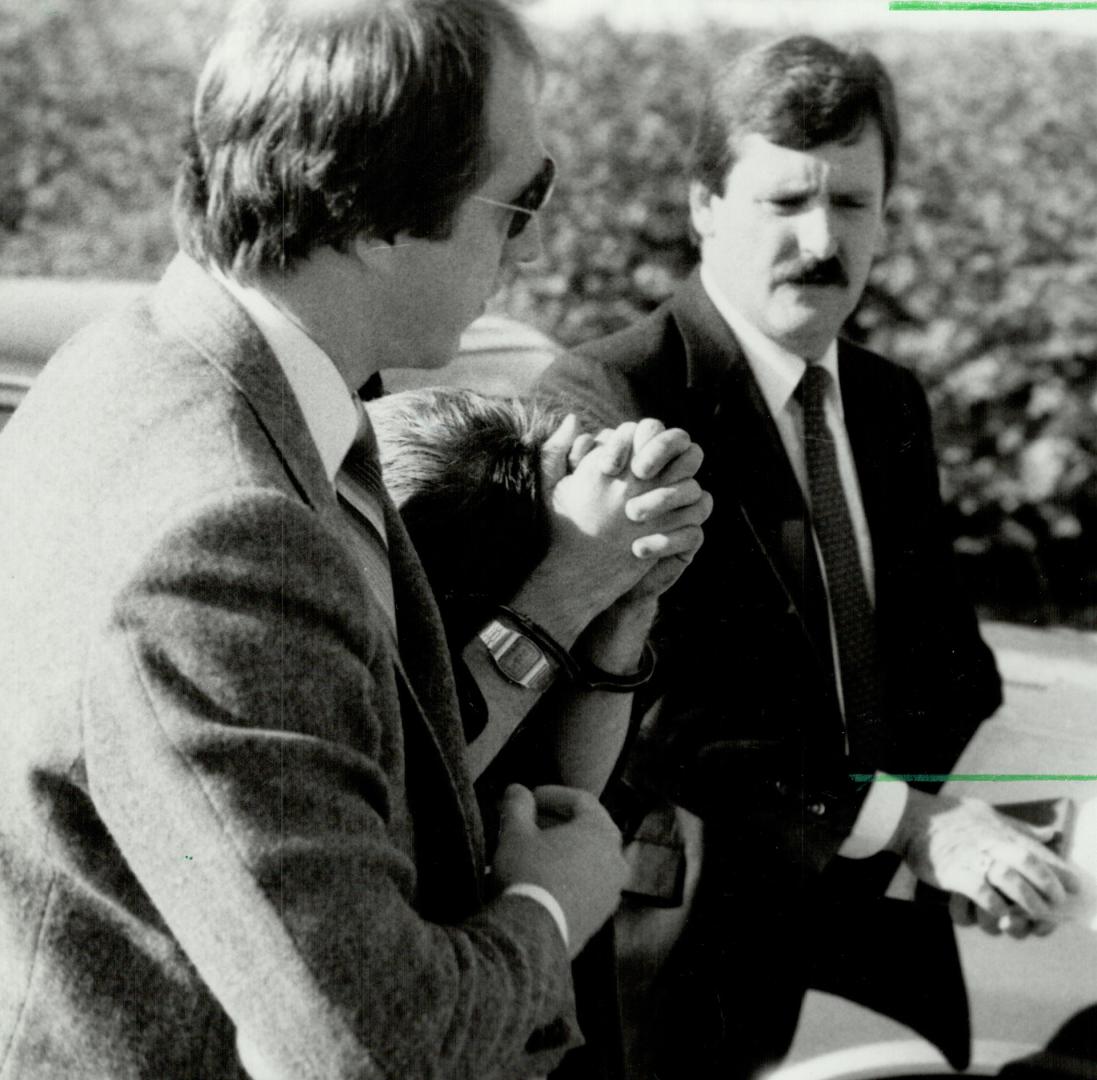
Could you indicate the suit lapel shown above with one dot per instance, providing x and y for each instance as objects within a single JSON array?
[
  {"x": 867, "y": 438},
  {"x": 195, "y": 307},
  {"x": 430, "y": 715},
  {"x": 745, "y": 460},
  {"x": 876, "y": 448},
  {"x": 423, "y": 663},
  {"x": 201, "y": 311}
]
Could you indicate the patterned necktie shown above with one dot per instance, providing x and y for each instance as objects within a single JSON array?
[
  {"x": 850, "y": 606},
  {"x": 361, "y": 492}
]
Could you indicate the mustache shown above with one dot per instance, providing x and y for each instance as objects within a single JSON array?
[{"x": 828, "y": 272}]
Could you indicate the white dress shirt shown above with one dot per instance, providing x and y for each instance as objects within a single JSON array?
[
  {"x": 778, "y": 373},
  {"x": 332, "y": 415}
]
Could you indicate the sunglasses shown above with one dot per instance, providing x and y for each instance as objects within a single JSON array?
[{"x": 533, "y": 198}]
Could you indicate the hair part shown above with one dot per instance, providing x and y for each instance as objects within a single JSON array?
[
  {"x": 465, "y": 472},
  {"x": 315, "y": 123},
  {"x": 799, "y": 92}
]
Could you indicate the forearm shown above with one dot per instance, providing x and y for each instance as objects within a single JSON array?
[
  {"x": 564, "y": 610},
  {"x": 507, "y": 707},
  {"x": 561, "y": 598},
  {"x": 593, "y": 725},
  {"x": 589, "y": 736},
  {"x": 585, "y": 729}
]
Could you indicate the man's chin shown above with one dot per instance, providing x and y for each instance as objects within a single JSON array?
[{"x": 806, "y": 330}]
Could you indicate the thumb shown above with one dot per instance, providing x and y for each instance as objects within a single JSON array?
[
  {"x": 554, "y": 451},
  {"x": 517, "y": 810}
]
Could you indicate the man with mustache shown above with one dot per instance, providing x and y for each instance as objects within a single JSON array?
[{"x": 820, "y": 646}]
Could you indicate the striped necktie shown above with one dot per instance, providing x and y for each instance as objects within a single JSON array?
[
  {"x": 361, "y": 494},
  {"x": 850, "y": 606}
]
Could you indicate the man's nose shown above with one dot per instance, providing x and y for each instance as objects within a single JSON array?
[{"x": 815, "y": 233}]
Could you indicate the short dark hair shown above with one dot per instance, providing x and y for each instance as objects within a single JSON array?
[
  {"x": 312, "y": 126},
  {"x": 465, "y": 472},
  {"x": 799, "y": 92}
]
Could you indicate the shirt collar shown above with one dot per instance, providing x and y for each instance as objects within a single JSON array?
[
  {"x": 332, "y": 412},
  {"x": 777, "y": 371}
]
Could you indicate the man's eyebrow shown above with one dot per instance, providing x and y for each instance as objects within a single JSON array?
[
  {"x": 790, "y": 189},
  {"x": 857, "y": 191}
]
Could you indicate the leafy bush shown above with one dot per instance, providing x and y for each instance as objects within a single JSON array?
[{"x": 986, "y": 287}]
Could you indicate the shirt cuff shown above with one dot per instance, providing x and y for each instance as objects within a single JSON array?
[
  {"x": 878, "y": 818},
  {"x": 546, "y": 900}
]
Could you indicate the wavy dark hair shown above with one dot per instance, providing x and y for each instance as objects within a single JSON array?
[
  {"x": 799, "y": 92},
  {"x": 465, "y": 472},
  {"x": 318, "y": 122}
]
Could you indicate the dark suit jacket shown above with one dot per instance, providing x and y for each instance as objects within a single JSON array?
[
  {"x": 750, "y": 734},
  {"x": 234, "y": 814}
]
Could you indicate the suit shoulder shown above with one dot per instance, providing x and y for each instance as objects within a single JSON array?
[
  {"x": 637, "y": 347},
  {"x": 622, "y": 376},
  {"x": 899, "y": 377}
]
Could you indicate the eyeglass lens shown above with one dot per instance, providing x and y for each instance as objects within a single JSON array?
[{"x": 535, "y": 195}]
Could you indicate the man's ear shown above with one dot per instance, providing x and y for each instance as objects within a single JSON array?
[{"x": 700, "y": 208}]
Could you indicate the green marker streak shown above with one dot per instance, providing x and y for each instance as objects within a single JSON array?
[
  {"x": 1000, "y": 5},
  {"x": 940, "y": 778}
]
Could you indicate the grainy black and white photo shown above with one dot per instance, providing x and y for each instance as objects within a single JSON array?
[{"x": 545, "y": 538}]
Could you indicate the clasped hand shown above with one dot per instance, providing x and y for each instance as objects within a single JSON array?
[
  {"x": 999, "y": 875},
  {"x": 626, "y": 507},
  {"x": 565, "y": 841}
]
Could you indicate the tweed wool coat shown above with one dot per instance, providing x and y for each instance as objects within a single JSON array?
[{"x": 236, "y": 830}]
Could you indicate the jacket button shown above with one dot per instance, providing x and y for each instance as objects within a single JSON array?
[{"x": 817, "y": 808}]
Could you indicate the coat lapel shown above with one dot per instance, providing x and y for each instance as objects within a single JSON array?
[
  {"x": 201, "y": 311},
  {"x": 745, "y": 460},
  {"x": 867, "y": 437},
  {"x": 423, "y": 663}
]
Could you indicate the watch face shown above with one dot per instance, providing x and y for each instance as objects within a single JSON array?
[
  {"x": 518, "y": 659},
  {"x": 524, "y": 663}
]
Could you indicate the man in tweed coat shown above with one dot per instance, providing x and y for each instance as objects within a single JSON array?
[{"x": 237, "y": 834}]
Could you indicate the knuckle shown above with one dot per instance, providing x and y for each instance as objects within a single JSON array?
[
  {"x": 989, "y": 901},
  {"x": 1031, "y": 864}
]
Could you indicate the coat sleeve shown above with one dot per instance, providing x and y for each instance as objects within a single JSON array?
[{"x": 245, "y": 748}]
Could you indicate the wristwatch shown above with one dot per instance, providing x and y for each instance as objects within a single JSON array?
[
  {"x": 528, "y": 656},
  {"x": 519, "y": 657}
]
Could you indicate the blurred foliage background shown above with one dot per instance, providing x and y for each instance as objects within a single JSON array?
[{"x": 987, "y": 286}]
